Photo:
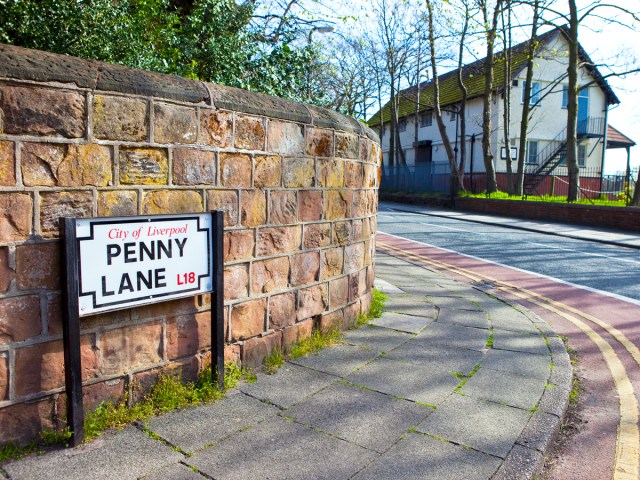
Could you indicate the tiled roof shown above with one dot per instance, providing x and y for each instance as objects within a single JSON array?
[{"x": 616, "y": 139}]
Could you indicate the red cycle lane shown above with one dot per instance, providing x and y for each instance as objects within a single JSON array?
[{"x": 589, "y": 452}]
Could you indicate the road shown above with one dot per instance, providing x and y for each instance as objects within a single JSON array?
[{"x": 586, "y": 291}]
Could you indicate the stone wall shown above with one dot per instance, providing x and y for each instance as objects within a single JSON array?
[{"x": 82, "y": 138}]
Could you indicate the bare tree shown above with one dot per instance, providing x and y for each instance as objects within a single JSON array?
[{"x": 463, "y": 90}]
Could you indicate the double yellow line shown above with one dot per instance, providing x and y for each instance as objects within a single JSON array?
[{"x": 626, "y": 460}]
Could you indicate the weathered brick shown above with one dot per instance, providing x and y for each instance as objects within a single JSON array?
[
  {"x": 235, "y": 170},
  {"x": 338, "y": 204},
  {"x": 23, "y": 422},
  {"x": 331, "y": 262},
  {"x": 38, "y": 266},
  {"x": 365, "y": 301},
  {"x": 54, "y": 205},
  {"x": 370, "y": 178},
  {"x": 188, "y": 334},
  {"x": 6, "y": 272},
  {"x": 338, "y": 292},
  {"x": 128, "y": 348},
  {"x": 16, "y": 213},
  {"x": 351, "y": 314},
  {"x": 231, "y": 354},
  {"x": 239, "y": 245},
  {"x": 41, "y": 111},
  {"x": 255, "y": 349},
  {"x": 216, "y": 128},
  {"x": 319, "y": 142},
  {"x": 282, "y": 207},
  {"x": 357, "y": 285},
  {"x": 250, "y": 133},
  {"x": 236, "y": 282},
  {"x": 309, "y": 205},
  {"x": 305, "y": 267},
  {"x": 19, "y": 318},
  {"x": 117, "y": 203},
  {"x": 353, "y": 175},
  {"x": 247, "y": 319},
  {"x": 267, "y": 171},
  {"x": 316, "y": 235},
  {"x": 369, "y": 252},
  {"x": 282, "y": 310},
  {"x": 298, "y": 172},
  {"x": 40, "y": 162},
  {"x": 253, "y": 208},
  {"x": 227, "y": 201},
  {"x": 171, "y": 201},
  {"x": 144, "y": 381},
  {"x": 331, "y": 321},
  {"x": 269, "y": 275},
  {"x": 194, "y": 167},
  {"x": 353, "y": 257},
  {"x": 93, "y": 395},
  {"x": 120, "y": 118},
  {"x": 295, "y": 334},
  {"x": 361, "y": 203},
  {"x": 174, "y": 123},
  {"x": 330, "y": 173},
  {"x": 356, "y": 231},
  {"x": 183, "y": 306},
  {"x": 7, "y": 163},
  {"x": 4, "y": 377},
  {"x": 285, "y": 137},
  {"x": 347, "y": 145},
  {"x": 365, "y": 149},
  {"x": 312, "y": 301},
  {"x": 143, "y": 166},
  {"x": 272, "y": 241},
  {"x": 342, "y": 233}
]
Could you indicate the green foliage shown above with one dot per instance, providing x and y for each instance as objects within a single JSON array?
[
  {"x": 316, "y": 342},
  {"x": 273, "y": 362},
  {"x": 604, "y": 200},
  {"x": 376, "y": 309}
]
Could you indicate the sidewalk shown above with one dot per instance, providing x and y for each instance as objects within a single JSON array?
[
  {"x": 602, "y": 235},
  {"x": 449, "y": 383}
]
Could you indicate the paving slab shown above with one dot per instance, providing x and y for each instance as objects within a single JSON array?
[
  {"x": 508, "y": 318},
  {"x": 527, "y": 364},
  {"x": 467, "y": 318},
  {"x": 519, "y": 342},
  {"x": 376, "y": 338},
  {"x": 340, "y": 360},
  {"x": 176, "y": 471},
  {"x": 419, "y": 383},
  {"x": 423, "y": 457},
  {"x": 443, "y": 357},
  {"x": 411, "y": 305},
  {"x": 455, "y": 336},
  {"x": 191, "y": 429},
  {"x": 482, "y": 425},
  {"x": 453, "y": 303},
  {"x": 403, "y": 322},
  {"x": 369, "y": 419},
  {"x": 505, "y": 388},
  {"x": 282, "y": 449},
  {"x": 125, "y": 454},
  {"x": 385, "y": 287},
  {"x": 289, "y": 385}
]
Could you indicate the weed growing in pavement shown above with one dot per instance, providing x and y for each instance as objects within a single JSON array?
[
  {"x": 273, "y": 362},
  {"x": 375, "y": 311}
]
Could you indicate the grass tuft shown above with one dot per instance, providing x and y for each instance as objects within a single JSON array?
[
  {"x": 375, "y": 311},
  {"x": 273, "y": 362},
  {"x": 314, "y": 343}
]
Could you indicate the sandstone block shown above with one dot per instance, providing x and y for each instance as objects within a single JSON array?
[
  {"x": 269, "y": 275},
  {"x": 309, "y": 205},
  {"x": 236, "y": 282},
  {"x": 357, "y": 229},
  {"x": 361, "y": 203},
  {"x": 267, "y": 171},
  {"x": 247, "y": 319},
  {"x": 365, "y": 149},
  {"x": 143, "y": 166},
  {"x": 120, "y": 118},
  {"x": 353, "y": 175},
  {"x": 331, "y": 262},
  {"x": 188, "y": 334},
  {"x": 19, "y": 318},
  {"x": 316, "y": 235},
  {"x": 175, "y": 123},
  {"x": 253, "y": 208},
  {"x": 276, "y": 240},
  {"x": 371, "y": 277},
  {"x": 128, "y": 348},
  {"x": 216, "y": 128},
  {"x": 250, "y": 133},
  {"x": 93, "y": 395},
  {"x": 239, "y": 245},
  {"x": 283, "y": 207},
  {"x": 117, "y": 203},
  {"x": 369, "y": 252},
  {"x": 347, "y": 145},
  {"x": 353, "y": 257},
  {"x": 305, "y": 268},
  {"x": 172, "y": 201},
  {"x": 312, "y": 301},
  {"x": 38, "y": 266},
  {"x": 354, "y": 285},
  {"x": 296, "y": 333},
  {"x": 194, "y": 167},
  {"x": 282, "y": 310},
  {"x": 319, "y": 142},
  {"x": 285, "y": 137},
  {"x": 7, "y": 164},
  {"x": 235, "y": 170},
  {"x": 338, "y": 204},
  {"x": 332, "y": 320},
  {"x": 365, "y": 301},
  {"x": 351, "y": 314},
  {"x": 255, "y": 349},
  {"x": 41, "y": 111},
  {"x": 22, "y": 422},
  {"x": 298, "y": 172},
  {"x": 370, "y": 179},
  {"x": 54, "y": 205},
  {"x": 183, "y": 306},
  {"x": 330, "y": 173},
  {"x": 231, "y": 354},
  {"x": 4, "y": 377},
  {"x": 16, "y": 212},
  {"x": 342, "y": 233},
  {"x": 227, "y": 201},
  {"x": 6, "y": 272},
  {"x": 338, "y": 292}
]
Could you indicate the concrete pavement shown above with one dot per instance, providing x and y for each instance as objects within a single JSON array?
[{"x": 450, "y": 383}]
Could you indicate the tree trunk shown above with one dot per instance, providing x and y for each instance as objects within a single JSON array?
[
  {"x": 506, "y": 104},
  {"x": 635, "y": 202},
  {"x": 572, "y": 107},
  {"x": 463, "y": 102}
]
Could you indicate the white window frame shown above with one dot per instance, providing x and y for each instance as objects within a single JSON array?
[
  {"x": 536, "y": 88},
  {"x": 426, "y": 119},
  {"x": 528, "y": 155},
  {"x": 402, "y": 125}
]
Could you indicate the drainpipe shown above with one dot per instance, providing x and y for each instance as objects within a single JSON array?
[
  {"x": 604, "y": 139},
  {"x": 628, "y": 179}
]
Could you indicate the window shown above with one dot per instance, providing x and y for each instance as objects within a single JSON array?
[
  {"x": 426, "y": 119},
  {"x": 402, "y": 125},
  {"x": 582, "y": 155},
  {"x": 565, "y": 96},
  {"x": 532, "y": 152},
  {"x": 452, "y": 116},
  {"x": 535, "y": 93}
]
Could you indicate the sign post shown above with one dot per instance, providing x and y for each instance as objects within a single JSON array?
[{"x": 122, "y": 262}]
